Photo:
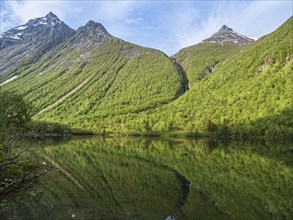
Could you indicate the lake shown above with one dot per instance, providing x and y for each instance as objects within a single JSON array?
[{"x": 155, "y": 178}]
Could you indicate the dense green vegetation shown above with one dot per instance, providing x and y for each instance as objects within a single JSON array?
[
  {"x": 145, "y": 179},
  {"x": 200, "y": 60},
  {"x": 118, "y": 87},
  {"x": 250, "y": 94},
  {"x": 118, "y": 78}
]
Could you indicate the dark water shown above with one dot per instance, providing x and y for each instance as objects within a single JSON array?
[{"x": 140, "y": 178}]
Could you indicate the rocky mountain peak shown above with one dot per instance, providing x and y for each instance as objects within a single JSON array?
[
  {"x": 35, "y": 28},
  {"x": 227, "y": 35},
  {"x": 49, "y": 20},
  {"x": 35, "y": 38},
  {"x": 91, "y": 23},
  {"x": 51, "y": 15},
  {"x": 93, "y": 28},
  {"x": 91, "y": 34},
  {"x": 224, "y": 28}
]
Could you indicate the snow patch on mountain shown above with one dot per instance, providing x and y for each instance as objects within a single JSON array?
[
  {"x": 227, "y": 35},
  {"x": 254, "y": 38},
  {"x": 39, "y": 34},
  {"x": 9, "y": 80},
  {"x": 21, "y": 27},
  {"x": 16, "y": 37}
]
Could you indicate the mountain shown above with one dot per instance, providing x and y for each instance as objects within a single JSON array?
[
  {"x": 201, "y": 59},
  {"x": 227, "y": 35},
  {"x": 95, "y": 74},
  {"x": 248, "y": 94},
  {"x": 96, "y": 81},
  {"x": 31, "y": 41}
]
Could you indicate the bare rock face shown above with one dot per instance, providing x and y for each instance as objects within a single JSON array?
[
  {"x": 31, "y": 40},
  {"x": 227, "y": 35},
  {"x": 88, "y": 36}
]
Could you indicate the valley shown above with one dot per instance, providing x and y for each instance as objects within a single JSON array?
[
  {"x": 95, "y": 81},
  {"x": 95, "y": 127}
]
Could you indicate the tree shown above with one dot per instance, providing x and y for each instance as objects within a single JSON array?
[
  {"x": 209, "y": 126},
  {"x": 15, "y": 113}
]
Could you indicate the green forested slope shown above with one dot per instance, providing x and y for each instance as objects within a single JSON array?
[
  {"x": 115, "y": 77},
  {"x": 117, "y": 87},
  {"x": 250, "y": 92},
  {"x": 200, "y": 60}
]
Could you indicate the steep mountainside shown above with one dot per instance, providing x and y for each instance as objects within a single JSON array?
[
  {"x": 28, "y": 42},
  {"x": 248, "y": 93},
  {"x": 200, "y": 60},
  {"x": 95, "y": 74},
  {"x": 96, "y": 81}
]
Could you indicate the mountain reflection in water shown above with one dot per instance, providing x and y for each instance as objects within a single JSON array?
[{"x": 143, "y": 178}]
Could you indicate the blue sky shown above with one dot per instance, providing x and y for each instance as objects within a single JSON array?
[{"x": 165, "y": 25}]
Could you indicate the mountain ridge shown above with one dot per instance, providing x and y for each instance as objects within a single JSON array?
[
  {"x": 99, "y": 82},
  {"x": 228, "y": 35},
  {"x": 112, "y": 73},
  {"x": 249, "y": 94},
  {"x": 29, "y": 42}
]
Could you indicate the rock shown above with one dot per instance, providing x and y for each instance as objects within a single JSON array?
[
  {"x": 227, "y": 35},
  {"x": 33, "y": 39},
  {"x": 169, "y": 217}
]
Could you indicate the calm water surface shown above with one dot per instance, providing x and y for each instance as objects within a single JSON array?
[{"x": 141, "y": 178}]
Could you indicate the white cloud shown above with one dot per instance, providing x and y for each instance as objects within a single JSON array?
[
  {"x": 262, "y": 17},
  {"x": 113, "y": 10},
  {"x": 187, "y": 26},
  {"x": 134, "y": 20},
  {"x": 76, "y": 9},
  {"x": 6, "y": 20}
]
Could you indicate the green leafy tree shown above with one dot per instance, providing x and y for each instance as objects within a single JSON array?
[
  {"x": 15, "y": 116},
  {"x": 15, "y": 113}
]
